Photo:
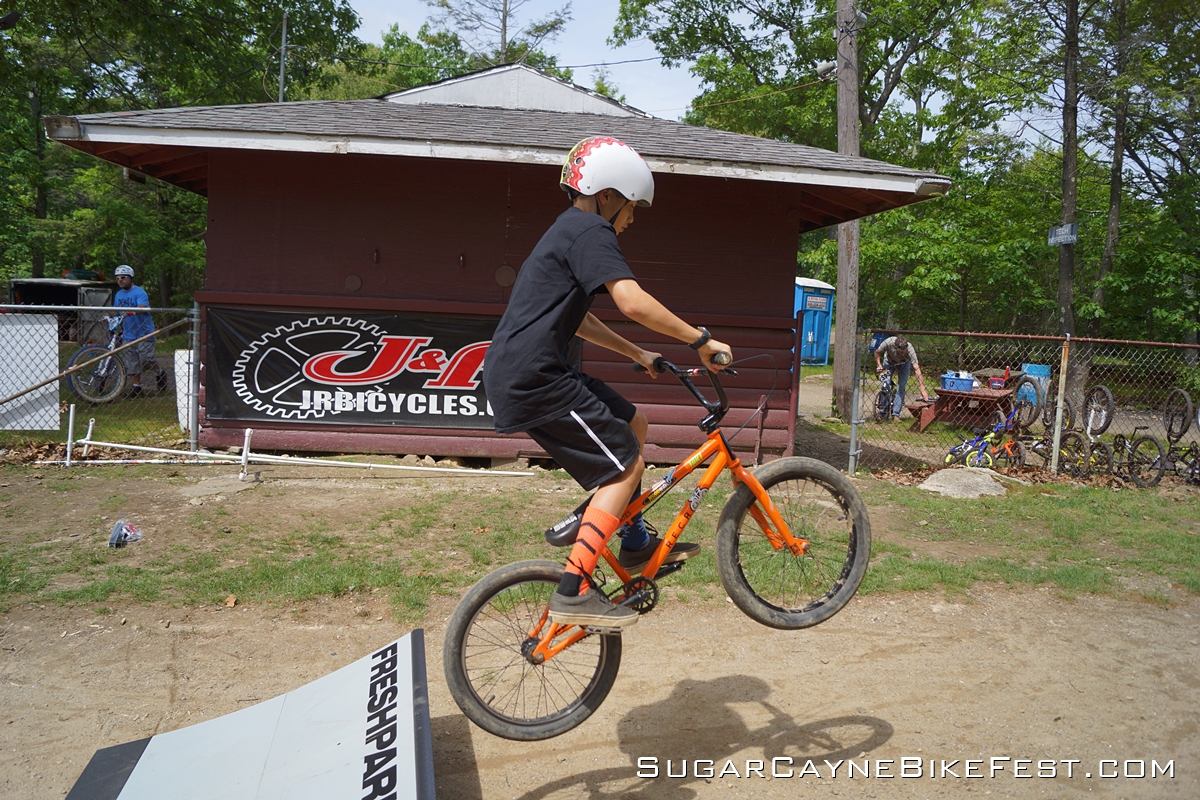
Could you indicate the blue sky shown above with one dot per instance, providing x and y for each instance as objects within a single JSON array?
[{"x": 646, "y": 85}]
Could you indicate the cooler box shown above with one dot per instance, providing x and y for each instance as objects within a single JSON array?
[{"x": 953, "y": 383}]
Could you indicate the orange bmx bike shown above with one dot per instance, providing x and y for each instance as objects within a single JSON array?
[{"x": 792, "y": 547}]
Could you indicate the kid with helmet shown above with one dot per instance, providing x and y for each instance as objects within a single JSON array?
[{"x": 593, "y": 432}]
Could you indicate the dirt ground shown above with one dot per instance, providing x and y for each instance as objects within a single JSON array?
[{"x": 1095, "y": 686}]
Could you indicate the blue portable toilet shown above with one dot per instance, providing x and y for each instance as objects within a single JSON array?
[{"x": 815, "y": 299}]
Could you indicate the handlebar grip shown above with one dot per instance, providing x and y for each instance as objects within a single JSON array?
[
  {"x": 722, "y": 359},
  {"x": 660, "y": 365}
]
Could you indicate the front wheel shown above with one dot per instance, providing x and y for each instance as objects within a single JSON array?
[
  {"x": 100, "y": 382},
  {"x": 489, "y": 675},
  {"x": 1147, "y": 462},
  {"x": 1177, "y": 414},
  {"x": 1098, "y": 410},
  {"x": 1102, "y": 459},
  {"x": 981, "y": 458},
  {"x": 775, "y": 587}
]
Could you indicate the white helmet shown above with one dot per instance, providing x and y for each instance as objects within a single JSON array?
[
  {"x": 124, "y": 269},
  {"x": 602, "y": 162}
]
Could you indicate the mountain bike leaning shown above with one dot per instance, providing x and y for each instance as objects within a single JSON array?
[
  {"x": 793, "y": 543},
  {"x": 103, "y": 381}
]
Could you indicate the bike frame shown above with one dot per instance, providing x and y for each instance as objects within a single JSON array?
[{"x": 764, "y": 513}]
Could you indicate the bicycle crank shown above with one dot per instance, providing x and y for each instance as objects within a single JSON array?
[{"x": 641, "y": 594}]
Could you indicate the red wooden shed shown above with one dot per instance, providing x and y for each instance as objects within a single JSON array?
[{"x": 360, "y": 253}]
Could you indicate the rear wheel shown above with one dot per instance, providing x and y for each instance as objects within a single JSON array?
[
  {"x": 98, "y": 383},
  {"x": 1098, "y": 410},
  {"x": 775, "y": 587},
  {"x": 1010, "y": 454},
  {"x": 1028, "y": 402},
  {"x": 1073, "y": 455},
  {"x": 1102, "y": 459},
  {"x": 1050, "y": 409},
  {"x": 1177, "y": 414},
  {"x": 491, "y": 677}
]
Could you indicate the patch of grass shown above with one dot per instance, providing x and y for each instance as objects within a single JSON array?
[{"x": 418, "y": 544}]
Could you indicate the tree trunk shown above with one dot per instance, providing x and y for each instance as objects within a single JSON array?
[
  {"x": 1116, "y": 174},
  {"x": 846, "y": 335},
  {"x": 37, "y": 267},
  {"x": 1070, "y": 159}
]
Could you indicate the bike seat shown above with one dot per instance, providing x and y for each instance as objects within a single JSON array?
[{"x": 566, "y": 531}]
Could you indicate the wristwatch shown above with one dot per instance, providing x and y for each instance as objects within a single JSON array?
[{"x": 704, "y": 337}]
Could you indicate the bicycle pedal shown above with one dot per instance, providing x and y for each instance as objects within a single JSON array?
[{"x": 601, "y": 631}]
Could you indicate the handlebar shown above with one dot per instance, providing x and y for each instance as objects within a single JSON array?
[{"x": 716, "y": 411}]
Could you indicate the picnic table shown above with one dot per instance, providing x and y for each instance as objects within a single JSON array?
[{"x": 974, "y": 408}]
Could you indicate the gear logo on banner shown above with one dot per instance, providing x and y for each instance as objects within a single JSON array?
[{"x": 269, "y": 375}]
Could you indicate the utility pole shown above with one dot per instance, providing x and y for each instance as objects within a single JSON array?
[
  {"x": 282, "y": 57},
  {"x": 846, "y": 331}
]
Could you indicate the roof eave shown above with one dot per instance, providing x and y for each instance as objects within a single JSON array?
[{"x": 71, "y": 131}]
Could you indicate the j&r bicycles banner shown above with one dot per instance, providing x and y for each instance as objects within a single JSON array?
[{"x": 347, "y": 369}]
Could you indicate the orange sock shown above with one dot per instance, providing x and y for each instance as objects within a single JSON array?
[{"x": 595, "y": 530}]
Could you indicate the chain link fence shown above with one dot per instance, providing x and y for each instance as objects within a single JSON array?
[
  {"x": 1085, "y": 407},
  {"x": 130, "y": 373}
]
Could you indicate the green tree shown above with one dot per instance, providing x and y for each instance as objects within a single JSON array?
[
  {"x": 70, "y": 57},
  {"x": 492, "y": 29}
]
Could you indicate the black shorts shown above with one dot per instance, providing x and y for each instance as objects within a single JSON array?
[{"x": 593, "y": 442}]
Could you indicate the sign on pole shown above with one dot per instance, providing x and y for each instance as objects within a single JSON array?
[{"x": 1063, "y": 234}]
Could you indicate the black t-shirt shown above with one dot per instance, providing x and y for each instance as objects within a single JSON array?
[{"x": 528, "y": 372}]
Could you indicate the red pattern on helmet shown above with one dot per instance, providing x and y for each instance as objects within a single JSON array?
[{"x": 572, "y": 167}]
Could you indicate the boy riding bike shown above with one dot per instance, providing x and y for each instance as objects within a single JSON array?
[{"x": 593, "y": 433}]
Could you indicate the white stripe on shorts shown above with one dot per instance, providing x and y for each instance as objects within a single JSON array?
[{"x": 596, "y": 439}]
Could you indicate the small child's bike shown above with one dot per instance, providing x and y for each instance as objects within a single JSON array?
[{"x": 793, "y": 542}]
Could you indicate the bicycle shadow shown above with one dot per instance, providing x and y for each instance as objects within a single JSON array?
[{"x": 698, "y": 722}]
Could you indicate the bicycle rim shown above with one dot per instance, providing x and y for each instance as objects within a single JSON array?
[
  {"x": 1147, "y": 462},
  {"x": 780, "y": 589},
  {"x": 493, "y": 682},
  {"x": 101, "y": 382},
  {"x": 1177, "y": 414}
]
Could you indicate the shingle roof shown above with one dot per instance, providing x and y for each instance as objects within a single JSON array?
[{"x": 377, "y": 119}]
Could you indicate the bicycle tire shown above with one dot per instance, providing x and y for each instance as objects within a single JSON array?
[
  {"x": 1147, "y": 461},
  {"x": 981, "y": 458},
  {"x": 1073, "y": 455},
  {"x": 1027, "y": 411},
  {"x": 953, "y": 457},
  {"x": 1101, "y": 460},
  {"x": 1098, "y": 409},
  {"x": 100, "y": 383},
  {"x": 1007, "y": 458},
  {"x": 883, "y": 406},
  {"x": 1177, "y": 414},
  {"x": 1050, "y": 409},
  {"x": 493, "y": 683},
  {"x": 774, "y": 587}
]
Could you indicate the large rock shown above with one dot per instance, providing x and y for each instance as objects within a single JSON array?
[{"x": 967, "y": 482}]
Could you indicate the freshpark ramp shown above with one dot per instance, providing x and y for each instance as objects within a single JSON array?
[{"x": 360, "y": 733}]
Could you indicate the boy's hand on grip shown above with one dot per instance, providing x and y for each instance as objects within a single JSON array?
[{"x": 716, "y": 355}]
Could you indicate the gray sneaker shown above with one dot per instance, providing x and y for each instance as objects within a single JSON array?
[
  {"x": 635, "y": 560},
  {"x": 590, "y": 610}
]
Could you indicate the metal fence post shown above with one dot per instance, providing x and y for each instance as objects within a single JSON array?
[
  {"x": 1058, "y": 412},
  {"x": 194, "y": 381},
  {"x": 852, "y": 465}
]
